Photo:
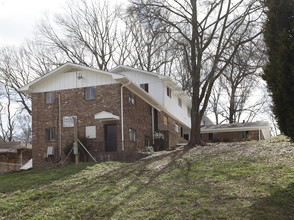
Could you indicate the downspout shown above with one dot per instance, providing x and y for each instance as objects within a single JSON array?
[
  {"x": 259, "y": 134},
  {"x": 152, "y": 126},
  {"x": 60, "y": 135},
  {"x": 122, "y": 116}
]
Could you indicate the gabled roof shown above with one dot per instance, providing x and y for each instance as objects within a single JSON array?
[{"x": 67, "y": 67}]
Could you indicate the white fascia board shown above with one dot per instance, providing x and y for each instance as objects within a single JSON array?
[
  {"x": 66, "y": 67},
  {"x": 215, "y": 130},
  {"x": 121, "y": 68}
]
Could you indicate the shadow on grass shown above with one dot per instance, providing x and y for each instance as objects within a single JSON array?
[
  {"x": 31, "y": 179},
  {"x": 279, "y": 205}
]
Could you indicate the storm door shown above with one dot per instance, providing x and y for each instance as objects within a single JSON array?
[{"x": 110, "y": 138}]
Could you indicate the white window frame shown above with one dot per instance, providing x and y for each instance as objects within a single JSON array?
[
  {"x": 132, "y": 134},
  {"x": 50, "y": 97},
  {"x": 90, "y": 93}
]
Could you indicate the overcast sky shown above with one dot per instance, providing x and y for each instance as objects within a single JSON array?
[{"x": 18, "y": 18}]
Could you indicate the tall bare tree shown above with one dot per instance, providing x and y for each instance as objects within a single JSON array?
[
  {"x": 210, "y": 34},
  {"x": 239, "y": 81},
  {"x": 151, "y": 49},
  {"x": 85, "y": 33}
]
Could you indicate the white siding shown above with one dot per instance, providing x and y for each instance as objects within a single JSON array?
[
  {"x": 70, "y": 80},
  {"x": 155, "y": 84},
  {"x": 172, "y": 106}
]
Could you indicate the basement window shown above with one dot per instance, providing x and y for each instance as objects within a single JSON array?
[
  {"x": 50, "y": 97},
  {"x": 50, "y": 134},
  {"x": 90, "y": 93}
]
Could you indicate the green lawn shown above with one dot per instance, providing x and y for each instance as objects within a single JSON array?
[{"x": 252, "y": 180}]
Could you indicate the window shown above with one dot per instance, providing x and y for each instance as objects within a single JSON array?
[
  {"x": 177, "y": 128},
  {"x": 90, "y": 93},
  {"x": 189, "y": 111},
  {"x": 147, "y": 141},
  {"x": 245, "y": 135},
  {"x": 50, "y": 134},
  {"x": 210, "y": 136},
  {"x": 180, "y": 102},
  {"x": 132, "y": 98},
  {"x": 91, "y": 131},
  {"x": 168, "y": 92},
  {"x": 132, "y": 134},
  {"x": 182, "y": 132},
  {"x": 50, "y": 97},
  {"x": 148, "y": 109},
  {"x": 165, "y": 119},
  {"x": 144, "y": 87}
]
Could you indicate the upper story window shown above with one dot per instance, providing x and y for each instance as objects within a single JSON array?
[
  {"x": 50, "y": 134},
  {"x": 50, "y": 97},
  {"x": 90, "y": 93},
  {"x": 180, "y": 102},
  {"x": 145, "y": 87},
  {"x": 132, "y": 98},
  {"x": 189, "y": 111},
  {"x": 168, "y": 92},
  {"x": 132, "y": 134}
]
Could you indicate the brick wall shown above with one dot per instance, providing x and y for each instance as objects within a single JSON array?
[
  {"x": 231, "y": 136},
  {"x": 73, "y": 103}
]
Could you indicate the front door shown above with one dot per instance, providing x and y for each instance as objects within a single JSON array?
[{"x": 110, "y": 138}]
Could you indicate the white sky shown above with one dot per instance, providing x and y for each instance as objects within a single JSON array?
[{"x": 18, "y": 18}]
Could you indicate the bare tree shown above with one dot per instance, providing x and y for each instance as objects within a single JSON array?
[
  {"x": 240, "y": 80},
  {"x": 210, "y": 34},
  {"x": 86, "y": 33},
  {"x": 7, "y": 125},
  {"x": 19, "y": 66},
  {"x": 151, "y": 49},
  {"x": 24, "y": 125}
]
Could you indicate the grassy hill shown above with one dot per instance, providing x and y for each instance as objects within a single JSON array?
[{"x": 253, "y": 180}]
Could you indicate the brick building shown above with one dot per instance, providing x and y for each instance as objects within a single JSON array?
[
  {"x": 259, "y": 130},
  {"x": 119, "y": 111},
  {"x": 13, "y": 155}
]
